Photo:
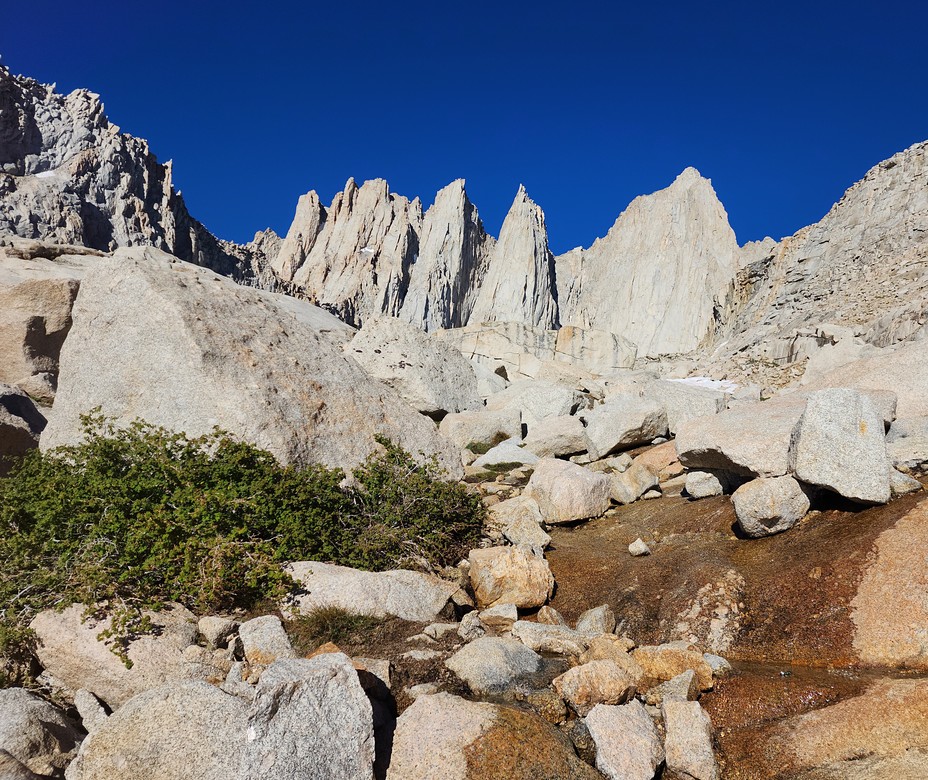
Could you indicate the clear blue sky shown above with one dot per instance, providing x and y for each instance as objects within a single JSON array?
[{"x": 782, "y": 104}]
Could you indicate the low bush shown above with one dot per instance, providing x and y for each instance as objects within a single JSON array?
[
  {"x": 136, "y": 517},
  {"x": 329, "y": 624}
]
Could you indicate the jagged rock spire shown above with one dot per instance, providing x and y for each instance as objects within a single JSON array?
[
  {"x": 454, "y": 252},
  {"x": 519, "y": 285}
]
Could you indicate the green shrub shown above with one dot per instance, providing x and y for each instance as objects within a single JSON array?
[{"x": 133, "y": 518}]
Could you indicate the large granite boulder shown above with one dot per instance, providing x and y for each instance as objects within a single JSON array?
[
  {"x": 752, "y": 441},
  {"x": 175, "y": 732},
  {"x": 309, "y": 718},
  {"x": 566, "y": 492},
  {"x": 409, "y": 595},
  {"x": 624, "y": 421},
  {"x": 839, "y": 444},
  {"x": 184, "y": 348},
  {"x": 443, "y": 736},
  {"x": 537, "y": 400},
  {"x": 428, "y": 374},
  {"x": 492, "y": 664},
  {"x": 628, "y": 746},
  {"x": 510, "y": 575},
  {"x": 69, "y": 649},
  {"x": 482, "y": 427}
]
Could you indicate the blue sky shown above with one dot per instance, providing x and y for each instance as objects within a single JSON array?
[{"x": 783, "y": 105}]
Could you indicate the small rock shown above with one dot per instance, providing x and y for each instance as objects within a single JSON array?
[
  {"x": 438, "y": 630},
  {"x": 631, "y": 484},
  {"x": 720, "y": 667},
  {"x": 93, "y": 713},
  {"x": 264, "y": 640},
  {"x": 550, "y": 639},
  {"x": 703, "y": 484},
  {"x": 550, "y": 616},
  {"x": 471, "y": 627},
  {"x": 639, "y": 548},
  {"x": 422, "y": 655},
  {"x": 599, "y": 620},
  {"x": 769, "y": 506},
  {"x": 422, "y": 689},
  {"x": 596, "y": 682},
  {"x": 683, "y": 687},
  {"x": 216, "y": 630},
  {"x": 501, "y": 617},
  {"x": 900, "y": 484}
]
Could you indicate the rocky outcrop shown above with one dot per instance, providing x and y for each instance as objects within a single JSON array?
[
  {"x": 862, "y": 267},
  {"x": 659, "y": 274},
  {"x": 359, "y": 263},
  {"x": 184, "y": 348},
  {"x": 67, "y": 174},
  {"x": 454, "y": 253},
  {"x": 520, "y": 285},
  {"x": 428, "y": 374}
]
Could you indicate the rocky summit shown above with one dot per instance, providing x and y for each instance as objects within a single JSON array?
[{"x": 390, "y": 497}]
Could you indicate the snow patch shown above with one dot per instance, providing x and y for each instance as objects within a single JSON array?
[
  {"x": 723, "y": 385},
  {"x": 46, "y": 175}
]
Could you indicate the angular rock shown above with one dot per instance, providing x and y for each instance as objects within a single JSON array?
[
  {"x": 13, "y": 769},
  {"x": 684, "y": 400},
  {"x": 704, "y": 484},
  {"x": 471, "y": 627},
  {"x": 269, "y": 360},
  {"x": 501, "y": 617},
  {"x": 537, "y": 400},
  {"x": 557, "y": 437},
  {"x": 482, "y": 427},
  {"x": 630, "y": 485},
  {"x": 615, "y": 649},
  {"x": 510, "y": 575},
  {"x": 550, "y": 617},
  {"x": 429, "y": 375},
  {"x": 175, "y": 732},
  {"x": 310, "y": 718},
  {"x": 688, "y": 740},
  {"x": 682, "y": 687},
  {"x": 35, "y": 733},
  {"x": 546, "y": 638},
  {"x": 751, "y": 441},
  {"x": 264, "y": 640},
  {"x": 69, "y": 650},
  {"x": 902, "y": 484},
  {"x": 638, "y": 548},
  {"x": 507, "y": 452},
  {"x": 491, "y": 664},
  {"x": 216, "y": 631},
  {"x": 406, "y": 594},
  {"x": 443, "y": 736},
  {"x": 660, "y": 460},
  {"x": 839, "y": 444},
  {"x": 661, "y": 663},
  {"x": 599, "y": 620},
  {"x": 566, "y": 492},
  {"x": 90, "y": 708},
  {"x": 628, "y": 746},
  {"x": 592, "y": 683},
  {"x": 519, "y": 521},
  {"x": 769, "y": 506},
  {"x": 624, "y": 422}
]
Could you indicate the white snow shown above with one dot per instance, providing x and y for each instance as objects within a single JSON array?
[
  {"x": 46, "y": 175},
  {"x": 724, "y": 385}
]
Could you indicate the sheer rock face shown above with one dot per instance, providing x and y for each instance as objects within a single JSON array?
[
  {"x": 301, "y": 238},
  {"x": 359, "y": 263},
  {"x": 520, "y": 283},
  {"x": 454, "y": 253},
  {"x": 660, "y": 272},
  {"x": 68, "y": 175}
]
